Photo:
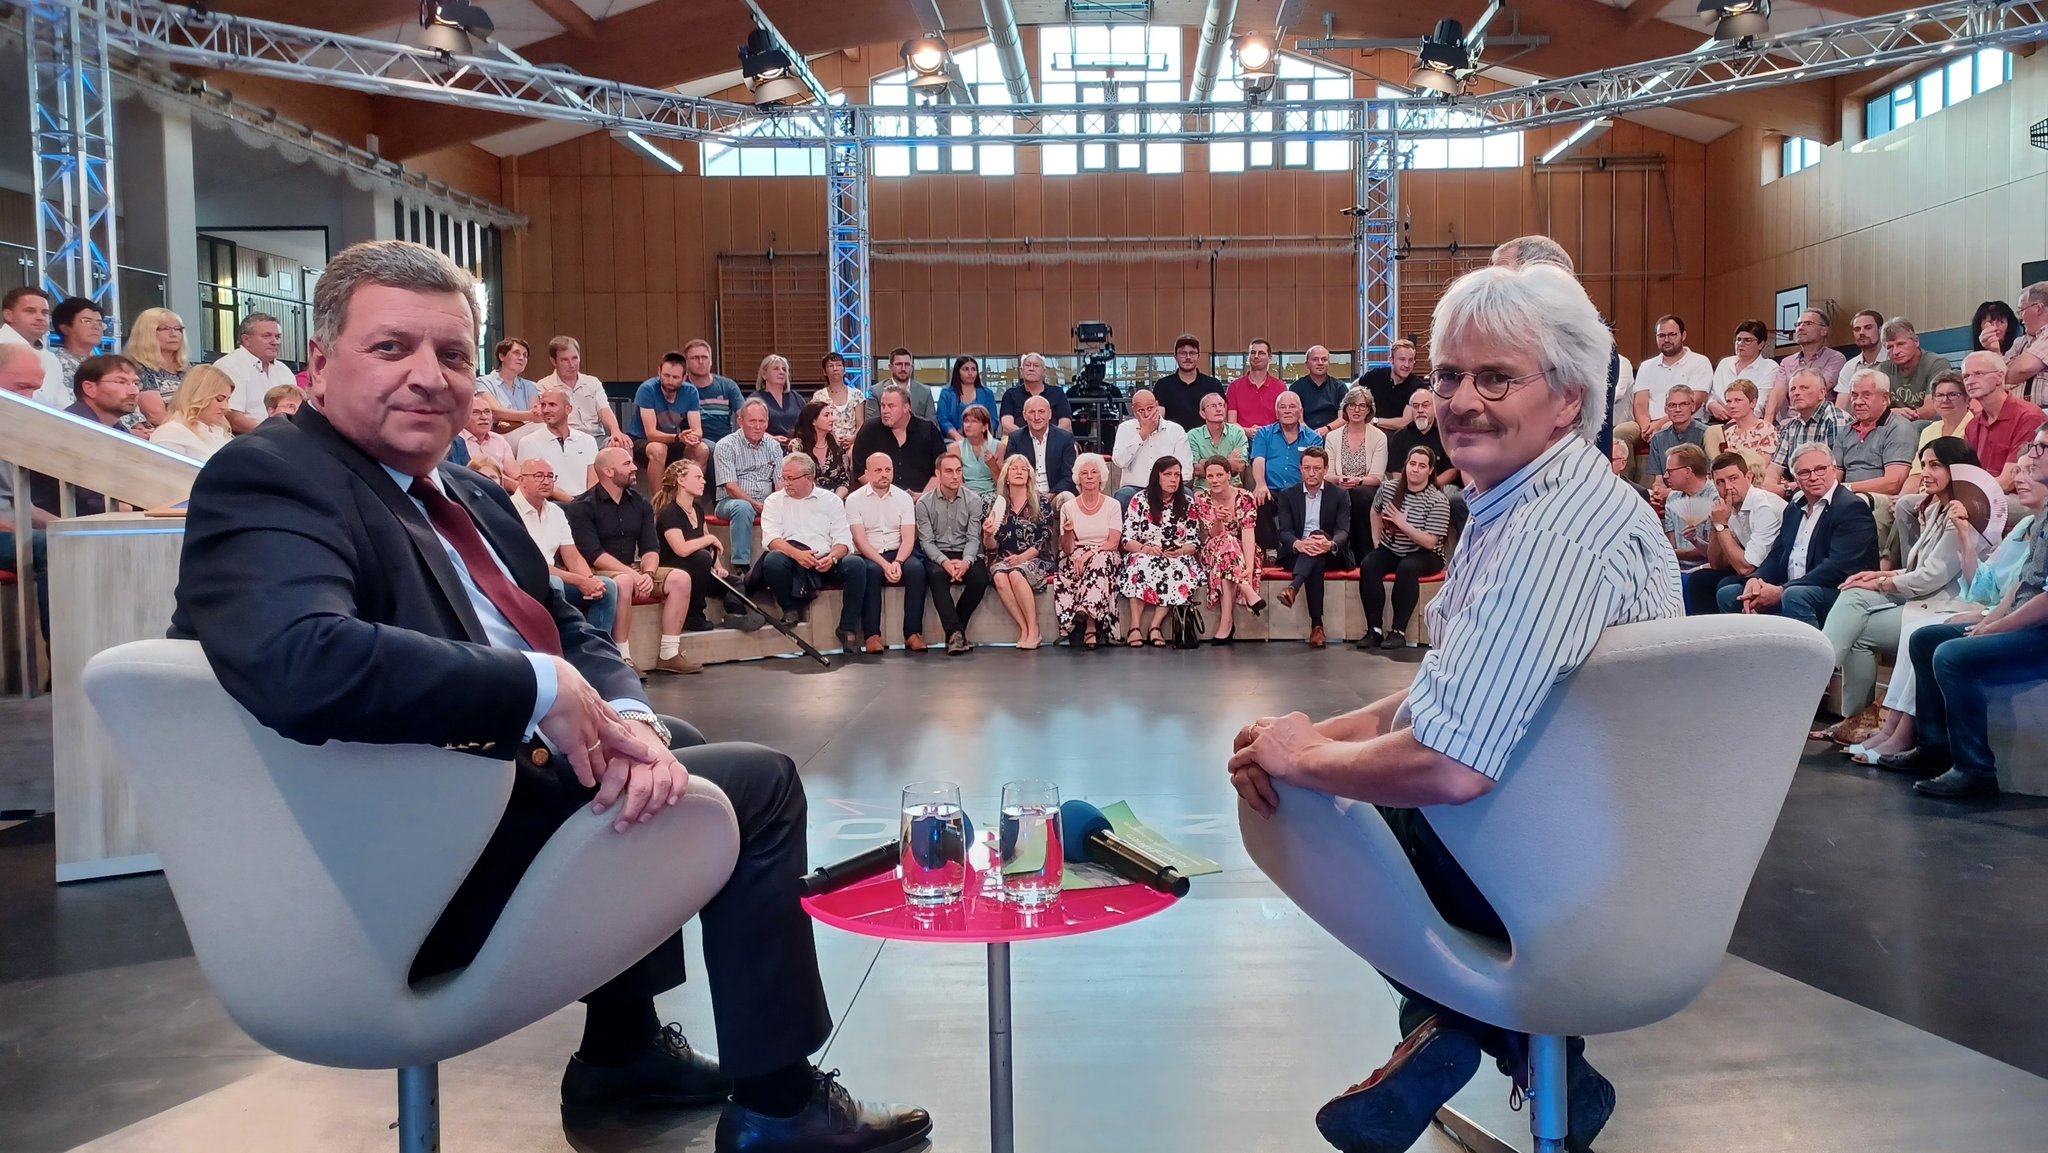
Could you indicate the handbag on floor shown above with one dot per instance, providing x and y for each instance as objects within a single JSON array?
[{"x": 1184, "y": 627}]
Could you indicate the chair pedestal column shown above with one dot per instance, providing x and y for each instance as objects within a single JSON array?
[
  {"x": 1549, "y": 1114},
  {"x": 419, "y": 1109}
]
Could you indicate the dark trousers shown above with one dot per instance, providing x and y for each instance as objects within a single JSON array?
[
  {"x": 1308, "y": 577},
  {"x": 1807, "y": 604},
  {"x": 953, "y": 617},
  {"x": 872, "y": 585},
  {"x": 1265, "y": 530},
  {"x": 1461, "y": 904},
  {"x": 1407, "y": 572},
  {"x": 793, "y": 590},
  {"x": 1955, "y": 670},
  {"x": 1702, "y": 588},
  {"x": 766, "y": 997},
  {"x": 39, "y": 561}
]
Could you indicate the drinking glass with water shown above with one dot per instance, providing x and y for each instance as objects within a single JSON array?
[
  {"x": 934, "y": 844},
  {"x": 1028, "y": 839}
]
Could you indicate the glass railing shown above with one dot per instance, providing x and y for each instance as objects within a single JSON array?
[{"x": 232, "y": 304}]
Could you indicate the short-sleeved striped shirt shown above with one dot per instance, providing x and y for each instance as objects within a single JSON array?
[
  {"x": 1428, "y": 510},
  {"x": 1551, "y": 557}
]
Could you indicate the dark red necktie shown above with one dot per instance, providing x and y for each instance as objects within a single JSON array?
[{"x": 454, "y": 523}]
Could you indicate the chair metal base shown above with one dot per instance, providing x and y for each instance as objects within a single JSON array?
[
  {"x": 419, "y": 1109},
  {"x": 1548, "y": 1104}
]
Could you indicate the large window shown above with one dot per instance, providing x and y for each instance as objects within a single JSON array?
[
  {"x": 1299, "y": 80},
  {"x": 766, "y": 159},
  {"x": 1499, "y": 150},
  {"x": 1796, "y": 154},
  {"x": 1111, "y": 65},
  {"x": 1936, "y": 89},
  {"x": 983, "y": 74}
]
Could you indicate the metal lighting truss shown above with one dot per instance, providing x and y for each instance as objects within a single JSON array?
[
  {"x": 848, "y": 242},
  {"x": 71, "y": 118},
  {"x": 1376, "y": 228}
]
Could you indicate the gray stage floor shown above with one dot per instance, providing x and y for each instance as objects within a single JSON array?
[{"x": 1219, "y": 1025}]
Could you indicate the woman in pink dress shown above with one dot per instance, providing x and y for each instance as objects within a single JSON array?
[{"x": 1229, "y": 556}]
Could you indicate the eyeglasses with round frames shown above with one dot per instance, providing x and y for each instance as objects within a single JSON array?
[
  {"x": 1810, "y": 473},
  {"x": 1491, "y": 385}
]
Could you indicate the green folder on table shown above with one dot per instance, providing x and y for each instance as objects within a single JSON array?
[{"x": 1125, "y": 823}]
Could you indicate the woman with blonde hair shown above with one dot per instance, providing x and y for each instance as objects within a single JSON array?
[
  {"x": 1018, "y": 540},
  {"x": 196, "y": 421},
  {"x": 156, "y": 343},
  {"x": 785, "y": 404}
]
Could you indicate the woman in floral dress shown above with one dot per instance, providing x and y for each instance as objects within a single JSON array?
[
  {"x": 1018, "y": 544},
  {"x": 1229, "y": 556},
  {"x": 1091, "y": 530},
  {"x": 1160, "y": 542}
]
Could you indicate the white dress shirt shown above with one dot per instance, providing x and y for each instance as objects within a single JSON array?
[
  {"x": 548, "y": 525},
  {"x": 818, "y": 521},
  {"x": 53, "y": 393},
  {"x": 1756, "y": 523},
  {"x": 1135, "y": 455},
  {"x": 1658, "y": 378},
  {"x": 570, "y": 456},
  {"x": 586, "y": 402},
  {"x": 1795, "y": 564},
  {"x": 1312, "y": 511},
  {"x": 252, "y": 380},
  {"x": 1038, "y": 450},
  {"x": 883, "y": 518}
]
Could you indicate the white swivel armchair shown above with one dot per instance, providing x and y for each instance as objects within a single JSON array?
[
  {"x": 309, "y": 876},
  {"x": 1617, "y": 848}
]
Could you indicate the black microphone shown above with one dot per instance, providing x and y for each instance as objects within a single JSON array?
[
  {"x": 1086, "y": 835},
  {"x": 884, "y": 858}
]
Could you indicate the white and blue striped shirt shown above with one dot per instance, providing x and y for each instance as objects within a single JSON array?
[{"x": 1552, "y": 556}]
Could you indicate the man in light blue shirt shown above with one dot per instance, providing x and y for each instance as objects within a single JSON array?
[{"x": 667, "y": 421}]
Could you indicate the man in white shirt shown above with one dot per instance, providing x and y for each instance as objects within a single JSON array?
[
  {"x": 1674, "y": 364},
  {"x": 25, "y": 319},
  {"x": 597, "y": 597},
  {"x": 572, "y": 453},
  {"x": 481, "y": 440},
  {"x": 1832, "y": 537},
  {"x": 1745, "y": 522},
  {"x": 254, "y": 369},
  {"x": 590, "y": 411},
  {"x": 1142, "y": 440},
  {"x": 21, "y": 373},
  {"x": 808, "y": 547},
  {"x": 882, "y": 520}
]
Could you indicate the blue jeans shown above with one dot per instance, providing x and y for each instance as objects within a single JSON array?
[
  {"x": 1955, "y": 670},
  {"x": 39, "y": 561},
  {"x": 1807, "y": 604},
  {"x": 741, "y": 514},
  {"x": 603, "y": 612}
]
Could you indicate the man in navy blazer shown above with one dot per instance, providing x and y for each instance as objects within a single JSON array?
[
  {"x": 1838, "y": 540},
  {"x": 1048, "y": 447}
]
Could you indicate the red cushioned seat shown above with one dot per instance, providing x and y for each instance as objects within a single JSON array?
[
  {"x": 717, "y": 521},
  {"x": 6, "y": 578},
  {"x": 1275, "y": 573},
  {"x": 1436, "y": 577}
]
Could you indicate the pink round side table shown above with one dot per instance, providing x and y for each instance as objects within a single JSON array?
[{"x": 876, "y": 908}]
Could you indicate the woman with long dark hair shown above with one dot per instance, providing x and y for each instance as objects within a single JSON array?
[
  {"x": 1997, "y": 327},
  {"x": 1865, "y": 619},
  {"x": 816, "y": 433},
  {"x": 1163, "y": 542},
  {"x": 964, "y": 390},
  {"x": 1410, "y": 524}
]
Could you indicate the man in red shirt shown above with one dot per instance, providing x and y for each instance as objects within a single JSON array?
[
  {"x": 1252, "y": 396},
  {"x": 2004, "y": 423}
]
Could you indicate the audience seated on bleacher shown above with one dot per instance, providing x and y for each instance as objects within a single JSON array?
[
  {"x": 747, "y": 463},
  {"x": 480, "y": 439},
  {"x": 1421, "y": 429},
  {"x": 156, "y": 346},
  {"x": 1681, "y": 426},
  {"x": 255, "y": 369},
  {"x": 1952, "y": 417},
  {"x": 1162, "y": 543},
  {"x": 1689, "y": 498},
  {"x": 1747, "y": 363},
  {"x": 1032, "y": 385},
  {"x": 1745, "y": 520},
  {"x": 882, "y": 521},
  {"x": 1877, "y": 453},
  {"x": 667, "y": 417},
  {"x": 2003, "y": 423},
  {"x": 808, "y": 547},
  {"x": 1956, "y": 664},
  {"x": 1048, "y": 447},
  {"x": 1017, "y": 536},
  {"x": 1812, "y": 420},
  {"x": 1673, "y": 366},
  {"x": 590, "y": 410},
  {"x": 196, "y": 420},
  {"x": 1909, "y": 371},
  {"x": 1746, "y": 431},
  {"x": 107, "y": 388},
  {"x": 687, "y": 544},
  {"x": 1215, "y": 435},
  {"x": 1322, "y": 395},
  {"x": 25, "y": 318},
  {"x": 570, "y": 452},
  {"x": 912, "y": 442},
  {"x": 923, "y": 405},
  {"x": 1621, "y": 458},
  {"x": 1312, "y": 521},
  {"x": 615, "y": 531},
  {"x": 1182, "y": 391},
  {"x": 1144, "y": 440},
  {"x": 718, "y": 398},
  {"x": 1866, "y": 619},
  {"x": 1392, "y": 385},
  {"x": 1276, "y": 451},
  {"x": 785, "y": 404},
  {"x": 1358, "y": 457},
  {"x": 1866, "y": 331},
  {"x": 513, "y": 398},
  {"x": 1814, "y": 355},
  {"x": 594, "y": 595},
  {"x": 1982, "y": 585},
  {"x": 1230, "y": 554},
  {"x": 980, "y": 451},
  {"x": 1254, "y": 398},
  {"x": 1826, "y": 535},
  {"x": 963, "y": 391},
  {"x": 815, "y": 435},
  {"x": 1091, "y": 527},
  {"x": 847, "y": 404},
  {"x": 1408, "y": 530},
  {"x": 949, "y": 520}
]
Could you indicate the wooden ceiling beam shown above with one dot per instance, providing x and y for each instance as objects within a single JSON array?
[
  {"x": 575, "y": 21},
  {"x": 1641, "y": 12}
]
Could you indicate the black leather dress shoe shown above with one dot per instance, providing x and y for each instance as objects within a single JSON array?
[
  {"x": 1917, "y": 761},
  {"x": 831, "y": 1122},
  {"x": 668, "y": 1074},
  {"x": 1957, "y": 785}
]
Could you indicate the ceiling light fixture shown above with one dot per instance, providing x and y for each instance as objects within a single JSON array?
[
  {"x": 1738, "y": 20},
  {"x": 761, "y": 58},
  {"x": 1257, "y": 65},
  {"x": 926, "y": 57},
  {"x": 448, "y": 25},
  {"x": 1443, "y": 61}
]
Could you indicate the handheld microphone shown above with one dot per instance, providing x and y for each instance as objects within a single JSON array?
[
  {"x": 883, "y": 858},
  {"x": 1086, "y": 835}
]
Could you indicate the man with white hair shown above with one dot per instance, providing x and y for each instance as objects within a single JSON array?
[
  {"x": 1878, "y": 452},
  {"x": 1826, "y": 536},
  {"x": 1032, "y": 385},
  {"x": 1142, "y": 440},
  {"x": 2003, "y": 423},
  {"x": 1557, "y": 550},
  {"x": 1523, "y": 251},
  {"x": 1812, "y": 421},
  {"x": 255, "y": 369},
  {"x": 2027, "y": 372}
]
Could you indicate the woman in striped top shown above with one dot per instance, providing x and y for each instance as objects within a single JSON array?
[{"x": 1408, "y": 541}]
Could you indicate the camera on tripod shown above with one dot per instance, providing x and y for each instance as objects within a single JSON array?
[{"x": 1097, "y": 403}]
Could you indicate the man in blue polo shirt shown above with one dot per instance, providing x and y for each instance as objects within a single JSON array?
[
  {"x": 1276, "y": 462},
  {"x": 667, "y": 422}
]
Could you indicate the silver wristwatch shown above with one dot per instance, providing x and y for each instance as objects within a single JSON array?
[{"x": 653, "y": 722}]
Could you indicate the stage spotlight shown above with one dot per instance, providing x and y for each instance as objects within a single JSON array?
[
  {"x": 1738, "y": 19},
  {"x": 761, "y": 58},
  {"x": 1442, "y": 60},
  {"x": 926, "y": 57},
  {"x": 448, "y": 25},
  {"x": 1257, "y": 67}
]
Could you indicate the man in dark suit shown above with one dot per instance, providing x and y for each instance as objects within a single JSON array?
[
  {"x": 345, "y": 586},
  {"x": 1828, "y": 535},
  {"x": 1313, "y": 522},
  {"x": 1048, "y": 447}
]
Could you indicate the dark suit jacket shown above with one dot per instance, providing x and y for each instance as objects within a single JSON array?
[
  {"x": 1290, "y": 511},
  {"x": 328, "y": 607},
  {"x": 1059, "y": 456},
  {"x": 1844, "y": 542}
]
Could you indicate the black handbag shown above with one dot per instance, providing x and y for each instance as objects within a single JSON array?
[{"x": 1185, "y": 626}]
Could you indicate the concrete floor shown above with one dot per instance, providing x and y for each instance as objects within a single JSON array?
[{"x": 1889, "y": 996}]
